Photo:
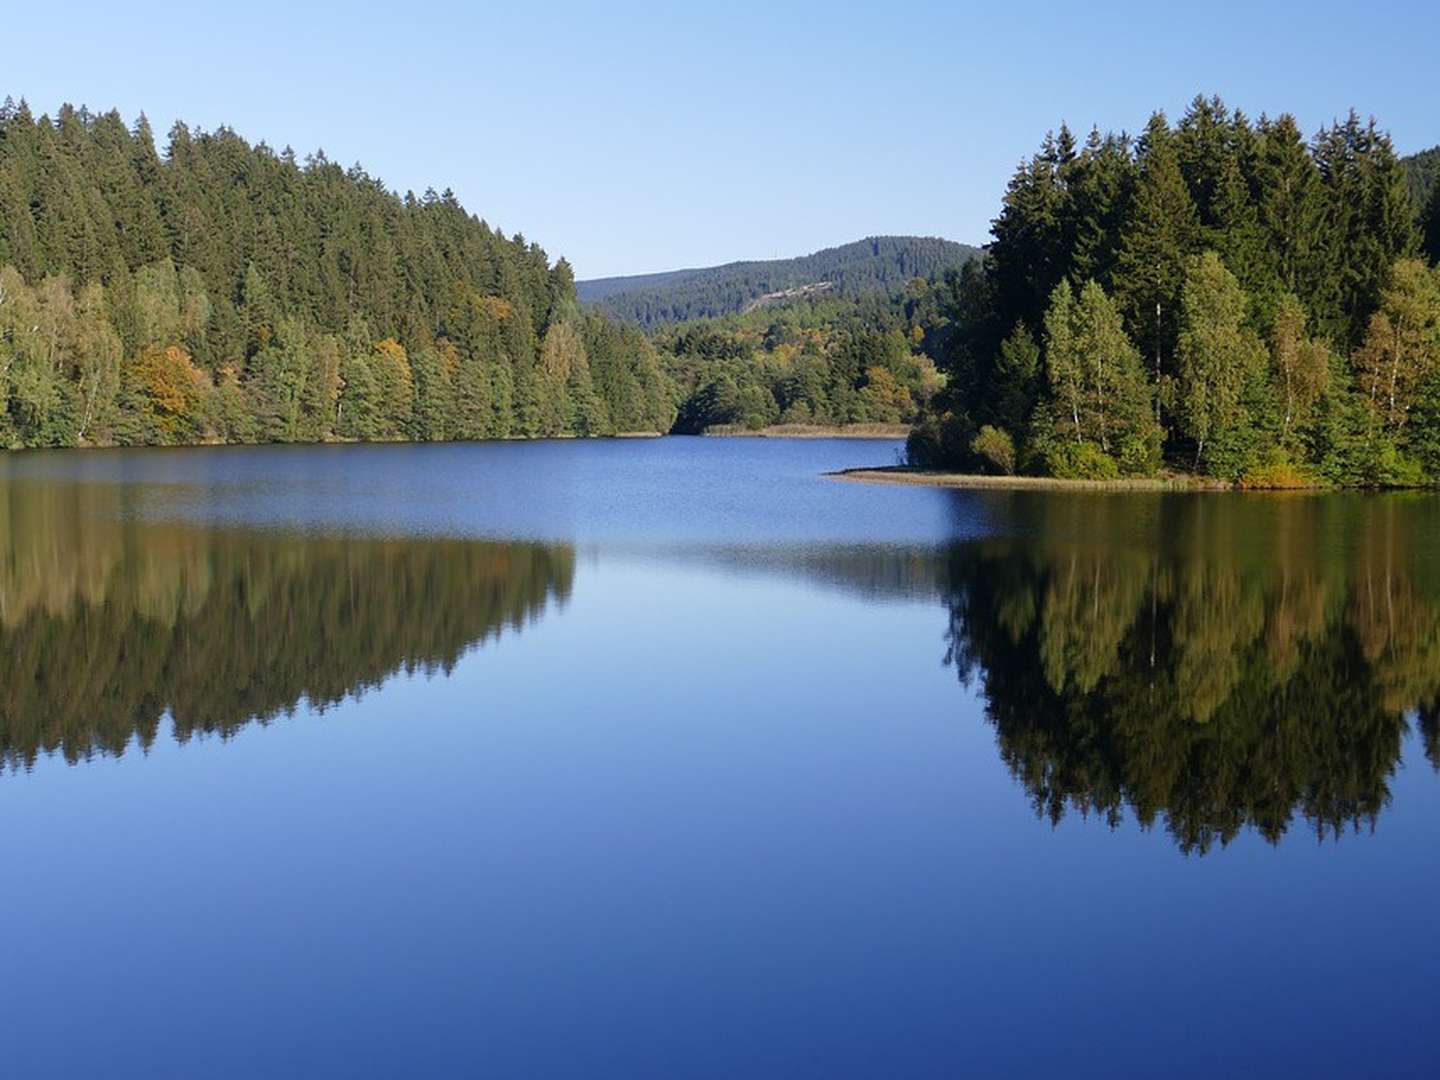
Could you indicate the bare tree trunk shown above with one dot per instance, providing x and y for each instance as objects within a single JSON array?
[{"x": 1157, "y": 363}]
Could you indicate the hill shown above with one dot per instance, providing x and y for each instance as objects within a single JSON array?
[
  {"x": 1422, "y": 171},
  {"x": 224, "y": 291},
  {"x": 877, "y": 264}
]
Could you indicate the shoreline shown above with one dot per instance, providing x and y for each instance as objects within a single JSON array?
[
  {"x": 904, "y": 474},
  {"x": 809, "y": 431}
]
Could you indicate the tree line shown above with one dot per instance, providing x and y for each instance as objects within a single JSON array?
[
  {"x": 1220, "y": 295},
  {"x": 219, "y": 291}
]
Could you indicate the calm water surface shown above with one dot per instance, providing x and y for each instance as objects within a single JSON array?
[{"x": 675, "y": 758}]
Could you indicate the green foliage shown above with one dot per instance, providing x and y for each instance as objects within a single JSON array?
[
  {"x": 1430, "y": 227},
  {"x": 1080, "y": 461},
  {"x": 1160, "y": 232},
  {"x": 816, "y": 362},
  {"x": 1422, "y": 176},
  {"x": 995, "y": 446},
  {"x": 940, "y": 440},
  {"x": 302, "y": 297},
  {"x": 1212, "y": 295},
  {"x": 1274, "y": 471},
  {"x": 1099, "y": 397},
  {"x": 1216, "y": 353}
]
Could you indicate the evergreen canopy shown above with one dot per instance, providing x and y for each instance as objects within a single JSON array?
[{"x": 220, "y": 290}]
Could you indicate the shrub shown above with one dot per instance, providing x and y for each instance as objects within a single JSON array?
[
  {"x": 1276, "y": 472},
  {"x": 940, "y": 442},
  {"x": 995, "y": 447},
  {"x": 756, "y": 407},
  {"x": 1081, "y": 461},
  {"x": 797, "y": 412},
  {"x": 1388, "y": 466},
  {"x": 1140, "y": 452}
]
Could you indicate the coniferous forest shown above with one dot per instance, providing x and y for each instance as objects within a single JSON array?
[
  {"x": 215, "y": 291},
  {"x": 1219, "y": 295},
  {"x": 877, "y": 264}
]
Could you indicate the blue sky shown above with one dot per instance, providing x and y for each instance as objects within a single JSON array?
[{"x": 633, "y": 137}]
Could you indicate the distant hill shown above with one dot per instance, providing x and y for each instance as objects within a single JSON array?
[
  {"x": 876, "y": 264},
  {"x": 1422, "y": 172}
]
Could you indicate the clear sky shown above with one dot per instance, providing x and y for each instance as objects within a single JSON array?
[{"x": 633, "y": 137}]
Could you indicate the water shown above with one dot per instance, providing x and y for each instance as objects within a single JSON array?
[{"x": 676, "y": 758}]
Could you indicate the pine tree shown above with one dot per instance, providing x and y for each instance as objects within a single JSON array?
[
  {"x": 1235, "y": 232},
  {"x": 1203, "y": 143},
  {"x": 1025, "y": 259},
  {"x": 1291, "y": 207},
  {"x": 434, "y": 395},
  {"x": 1099, "y": 185},
  {"x": 1162, "y": 230},
  {"x": 359, "y": 407},
  {"x": 1368, "y": 222}
]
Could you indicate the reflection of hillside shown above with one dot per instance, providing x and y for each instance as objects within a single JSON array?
[
  {"x": 106, "y": 626},
  {"x": 869, "y": 571},
  {"x": 1212, "y": 664}
]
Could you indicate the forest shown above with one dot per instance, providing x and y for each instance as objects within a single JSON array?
[
  {"x": 224, "y": 292},
  {"x": 823, "y": 360},
  {"x": 877, "y": 264},
  {"x": 1218, "y": 296}
]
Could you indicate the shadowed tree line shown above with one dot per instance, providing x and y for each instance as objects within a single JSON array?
[
  {"x": 105, "y": 629},
  {"x": 1210, "y": 665}
]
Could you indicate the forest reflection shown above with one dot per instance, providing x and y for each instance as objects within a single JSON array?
[
  {"x": 1207, "y": 664},
  {"x": 1211, "y": 664},
  {"x": 108, "y": 626}
]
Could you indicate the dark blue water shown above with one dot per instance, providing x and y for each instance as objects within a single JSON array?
[{"x": 676, "y": 758}]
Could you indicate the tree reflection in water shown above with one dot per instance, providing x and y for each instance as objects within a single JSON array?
[
  {"x": 107, "y": 626},
  {"x": 1210, "y": 663}
]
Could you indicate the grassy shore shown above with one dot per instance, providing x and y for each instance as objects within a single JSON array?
[
  {"x": 902, "y": 474},
  {"x": 813, "y": 431}
]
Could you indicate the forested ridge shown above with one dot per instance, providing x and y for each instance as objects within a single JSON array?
[
  {"x": 1218, "y": 295},
  {"x": 223, "y": 291},
  {"x": 877, "y": 264},
  {"x": 1422, "y": 173}
]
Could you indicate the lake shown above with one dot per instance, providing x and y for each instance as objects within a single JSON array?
[{"x": 676, "y": 758}]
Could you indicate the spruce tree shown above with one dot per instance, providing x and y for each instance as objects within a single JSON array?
[
  {"x": 1162, "y": 230},
  {"x": 1292, "y": 210}
]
